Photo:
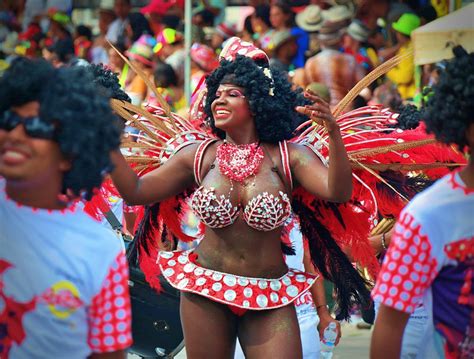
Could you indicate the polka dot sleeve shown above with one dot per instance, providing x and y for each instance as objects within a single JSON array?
[
  {"x": 408, "y": 269},
  {"x": 110, "y": 312}
]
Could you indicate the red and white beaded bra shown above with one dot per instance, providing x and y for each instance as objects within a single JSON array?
[{"x": 264, "y": 212}]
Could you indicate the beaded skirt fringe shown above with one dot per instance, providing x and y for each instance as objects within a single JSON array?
[{"x": 243, "y": 292}]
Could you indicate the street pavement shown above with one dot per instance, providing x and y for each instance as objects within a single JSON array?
[{"x": 354, "y": 344}]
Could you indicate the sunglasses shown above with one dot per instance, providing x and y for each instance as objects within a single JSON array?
[{"x": 34, "y": 126}]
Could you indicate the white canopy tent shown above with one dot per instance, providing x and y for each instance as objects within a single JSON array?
[{"x": 434, "y": 41}]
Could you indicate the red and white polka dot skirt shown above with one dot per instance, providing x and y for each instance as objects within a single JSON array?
[{"x": 242, "y": 292}]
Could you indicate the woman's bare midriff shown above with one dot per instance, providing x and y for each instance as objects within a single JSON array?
[{"x": 241, "y": 250}]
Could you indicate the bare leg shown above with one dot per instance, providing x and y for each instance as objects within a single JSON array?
[
  {"x": 210, "y": 328},
  {"x": 270, "y": 334}
]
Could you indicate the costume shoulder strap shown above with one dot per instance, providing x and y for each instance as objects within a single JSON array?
[
  {"x": 198, "y": 158},
  {"x": 285, "y": 160}
]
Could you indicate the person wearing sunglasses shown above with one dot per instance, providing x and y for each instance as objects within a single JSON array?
[{"x": 63, "y": 277}]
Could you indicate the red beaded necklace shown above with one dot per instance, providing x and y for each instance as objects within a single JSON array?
[{"x": 238, "y": 162}]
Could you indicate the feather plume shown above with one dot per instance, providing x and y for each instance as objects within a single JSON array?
[
  {"x": 121, "y": 110},
  {"x": 147, "y": 80},
  {"x": 391, "y": 148},
  {"x": 403, "y": 167},
  {"x": 148, "y": 116}
]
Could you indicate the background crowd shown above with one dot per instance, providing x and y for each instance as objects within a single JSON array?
[{"x": 326, "y": 44}]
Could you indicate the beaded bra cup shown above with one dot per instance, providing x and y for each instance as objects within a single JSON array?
[{"x": 264, "y": 212}]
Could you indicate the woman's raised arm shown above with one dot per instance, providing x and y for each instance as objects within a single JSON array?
[{"x": 169, "y": 179}]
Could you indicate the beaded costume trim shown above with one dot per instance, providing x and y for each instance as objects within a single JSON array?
[
  {"x": 264, "y": 212},
  {"x": 243, "y": 292}
]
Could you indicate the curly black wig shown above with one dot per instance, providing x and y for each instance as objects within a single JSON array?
[
  {"x": 275, "y": 116},
  {"x": 87, "y": 130},
  {"x": 23, "y": 82},
  {"x": 448, "y": 112},
  {"x": 409, "y": 117},
  {"x": 108, "y": 79}
]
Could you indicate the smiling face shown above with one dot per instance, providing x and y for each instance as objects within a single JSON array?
[
  {"x": 28, "y": 159},
  {"x": 231, "y": 109}
]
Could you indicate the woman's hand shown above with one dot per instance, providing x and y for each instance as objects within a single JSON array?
[
  {"x": 324, "y": 319},
  {"x": 319, "y": 111}
]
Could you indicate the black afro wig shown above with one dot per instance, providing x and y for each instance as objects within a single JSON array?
[
  {"x": 23, "y": 82},
  {"x": 108, "y": 79},
  {"x": 449, "y": 111},
  {"x": 409, "y": 118}
]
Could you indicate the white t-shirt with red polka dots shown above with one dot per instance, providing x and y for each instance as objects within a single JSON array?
[
  {"x": 63, "y": 284},
  {"x": 431, "y": 259}
]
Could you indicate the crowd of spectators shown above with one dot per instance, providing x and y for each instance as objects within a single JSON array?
[{"x": 329, "y": 44}]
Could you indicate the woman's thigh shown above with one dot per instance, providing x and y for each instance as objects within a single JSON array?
[
  {"x": 209, "y": 328},
  {"x": 270, "y": 334}
]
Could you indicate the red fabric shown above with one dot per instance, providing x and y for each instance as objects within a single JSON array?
[
  {"x": 110, "y": 311},
  {"x": 235, "y": 46},
  {"x": 237, "y": 311},
  {"x": 97, "y": 206}
]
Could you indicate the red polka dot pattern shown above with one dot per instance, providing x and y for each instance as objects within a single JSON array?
[
  {"x": 110, "y": 311},
  {"x": 408, "y": 269}
]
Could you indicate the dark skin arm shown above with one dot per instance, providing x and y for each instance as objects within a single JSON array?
[
  {"x": 388, "y": 332},
  {"x": 334, "y": 183},
  {"x": 376, "y": 241},
  {"x": 130, "y": 219},
  {"x": 319, "y": 299},
  {"x": 167, "y": 180}
]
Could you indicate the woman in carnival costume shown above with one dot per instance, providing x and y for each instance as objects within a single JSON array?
[
  {"x": 252, "y": 171},
  {"x": 63, "y": 277},
  {"x": 236, "y": 282}
]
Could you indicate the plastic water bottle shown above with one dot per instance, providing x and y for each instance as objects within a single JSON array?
[{"x": 329, "y": 338}]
